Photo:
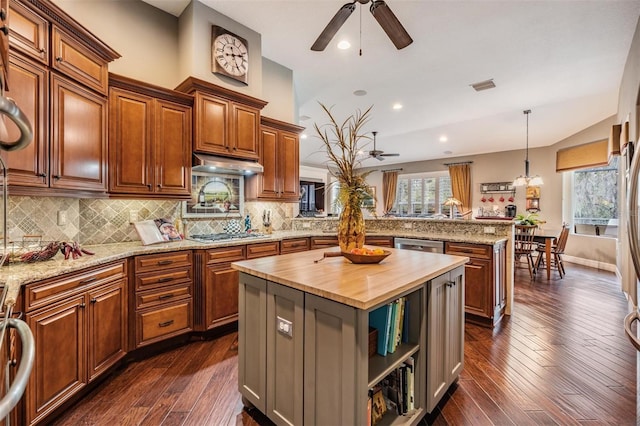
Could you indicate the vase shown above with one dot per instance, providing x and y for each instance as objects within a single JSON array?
[{"x": 351, "y": 226}]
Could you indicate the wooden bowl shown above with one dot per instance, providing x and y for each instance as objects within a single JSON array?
[{"x": 366, "y": 258}]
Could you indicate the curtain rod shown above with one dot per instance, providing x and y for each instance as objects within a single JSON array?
[
  {"x": 461, "y": 162},
  {"x": 391, "y": 170}
]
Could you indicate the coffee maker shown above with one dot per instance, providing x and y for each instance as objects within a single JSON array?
[{"x": 510, "y": 210}]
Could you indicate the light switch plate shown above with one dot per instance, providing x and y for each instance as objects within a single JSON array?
[
  {"x": 62, "y": 217},
  {"x": 284, "y": 326},
  {"x": 133, "y": 216}
]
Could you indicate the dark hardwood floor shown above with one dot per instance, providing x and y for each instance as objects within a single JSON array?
[{"x": 561, "y": 358}]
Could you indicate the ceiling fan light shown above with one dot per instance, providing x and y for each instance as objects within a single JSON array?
[
  {"x": 536, "y": 181},
  {"x": 344, "y": 45}
]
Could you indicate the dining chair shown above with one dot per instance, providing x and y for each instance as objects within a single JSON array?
[
  {"x": 557, "y": 250},
  {"x": 525, "y": 246}
]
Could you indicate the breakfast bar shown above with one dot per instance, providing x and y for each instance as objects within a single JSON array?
[{"x": 304, "y": 331}]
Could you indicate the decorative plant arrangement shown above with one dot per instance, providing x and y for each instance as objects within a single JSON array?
[
  {"x": 342, "y": 141},
  {"x": 529, "y": 219}
]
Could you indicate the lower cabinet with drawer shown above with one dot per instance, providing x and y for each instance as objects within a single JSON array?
[
  {"x": 163, "y": 296},
  {"x": 79, "y": 324},
  {"x": 485, "y": 276},
  {"x": 294, "y": 245}
]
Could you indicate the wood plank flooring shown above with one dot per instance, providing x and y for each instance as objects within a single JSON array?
[{"x": 561, "y": 358}]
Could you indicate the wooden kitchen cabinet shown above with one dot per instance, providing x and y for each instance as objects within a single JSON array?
[
  {"x": 226, "y": 123},
  {"x": 149, "y": 140},
  {"x": 79, "y": 324},
  {"x": 163, "y": 302},
  {"x": 279, "y": 155},
  {"x": 485, "y": 288},
  {"x": 63, "y": 92},
  {"x": 294, "y": 245}
]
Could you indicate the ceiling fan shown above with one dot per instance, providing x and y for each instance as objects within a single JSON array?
[
  {"x": 379, "y": 10},
  {"x": 376, "y": 153}
]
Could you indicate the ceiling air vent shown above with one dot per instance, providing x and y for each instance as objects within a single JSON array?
[{"x": 483, "y": 85}]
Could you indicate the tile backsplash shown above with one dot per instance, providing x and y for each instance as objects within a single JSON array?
[{"x": 103, "y": 221}]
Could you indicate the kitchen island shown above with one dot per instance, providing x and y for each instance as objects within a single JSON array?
[{"x": 304, "y": 329}]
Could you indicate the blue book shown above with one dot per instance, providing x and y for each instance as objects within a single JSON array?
[
  {"x": 393, "y": 326},
  {"x": 380, "y": 319}
]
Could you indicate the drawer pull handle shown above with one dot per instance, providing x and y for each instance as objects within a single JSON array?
[
  {"x": 165, "y": 279},
  {"x": 94, "y": 300},
  {"x": 165, "y": 324},
  {"x": 88, "y": 280},
  {"x": 165, "y": 296},
  {"x": 165, "y": 262},
  {"x": 59, "y": 58}
]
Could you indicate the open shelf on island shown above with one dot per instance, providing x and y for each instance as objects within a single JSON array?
[{"x": 381, "y": 366}]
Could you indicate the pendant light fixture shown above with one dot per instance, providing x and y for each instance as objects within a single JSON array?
[{"x": 526, "y": 180}]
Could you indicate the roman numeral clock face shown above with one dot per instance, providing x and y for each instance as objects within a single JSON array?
[{"x": 230, "y": 54}]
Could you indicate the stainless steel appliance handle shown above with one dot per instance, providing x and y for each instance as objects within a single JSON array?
[
  {"x": 14, "y": 393},
  {"x": 628, "y": 320}
]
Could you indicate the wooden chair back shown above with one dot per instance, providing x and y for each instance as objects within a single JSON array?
[
  {"x": 562, "y": 240},
  {"x": 523, "y": 238}
]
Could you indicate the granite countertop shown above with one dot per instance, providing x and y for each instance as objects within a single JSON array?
[{"x": 25, "y": 273}]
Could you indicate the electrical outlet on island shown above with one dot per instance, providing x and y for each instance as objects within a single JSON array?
[
  {"x": 408, "y": 225},
  {"x": 489, "y": 230}
]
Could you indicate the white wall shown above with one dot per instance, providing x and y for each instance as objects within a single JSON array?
[{"x": 277, "y": 89}]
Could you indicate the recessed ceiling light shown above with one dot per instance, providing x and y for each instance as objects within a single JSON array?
[
  {"x": 304, "y": 117},
  {"x": 397, "y": 106},
  {"x": 443, "y": 138},
  {"x": 448, "y": 152},
  {"x": 303, "y": 136},
  {"x": 483, "y": 85},
  {"x": 360, "y": 92},
  {"x": 344, "y": 45}
]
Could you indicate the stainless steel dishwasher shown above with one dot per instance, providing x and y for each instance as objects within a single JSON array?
[{"x": 420, "y": 245}]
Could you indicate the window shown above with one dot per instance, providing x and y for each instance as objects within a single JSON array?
[
  {"x": 422, "y": 194},
  {"x": 595, "y": 200}
]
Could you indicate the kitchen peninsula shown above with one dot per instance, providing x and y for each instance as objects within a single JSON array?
[{"x": 304, "y": 333}]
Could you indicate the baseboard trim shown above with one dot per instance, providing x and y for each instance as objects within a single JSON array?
[{"x": 591, "y": 263}]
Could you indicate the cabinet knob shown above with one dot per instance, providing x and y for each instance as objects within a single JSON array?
[
  {"x": 4, "y": 29},
  {"x": 83, "y": 305},
  {"x": 3, "y": 14},
  {"x": 160, "y": 186},
  {"x": 42, "y": 175},
  {"x": 43, "y": 50},
  {"x": 94, "y": 300},
  {"x": 56, "y": 177},
  {"x": 59, "y": 58}
]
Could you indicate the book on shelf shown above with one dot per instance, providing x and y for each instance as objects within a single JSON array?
[
  {"x": 409, "y": 362},
  {"x": 397, "y": 389},
  {"x": 391, "y": 340},
  {"x": 400, "y": 321},
  {"x": 380, "y": 319},
  {"x": 405, "y": 324}
]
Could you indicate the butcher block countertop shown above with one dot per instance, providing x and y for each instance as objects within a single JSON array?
[{"x": 361, "y": 286}]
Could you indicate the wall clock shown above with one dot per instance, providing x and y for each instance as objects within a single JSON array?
[{"x": 229, "y": 54}]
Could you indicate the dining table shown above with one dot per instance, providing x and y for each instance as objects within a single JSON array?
[{"x": 547, "y": 240}]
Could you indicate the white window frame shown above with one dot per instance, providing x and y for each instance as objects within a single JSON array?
[{"x": 440, "y": 209}]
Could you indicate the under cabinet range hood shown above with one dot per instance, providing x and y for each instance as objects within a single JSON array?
[{"x": 214, "y": 164}]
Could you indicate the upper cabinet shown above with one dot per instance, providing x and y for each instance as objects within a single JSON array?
[
  {"x": 279, "y": 155},
  {"x": 226, "y": 123},
  {"x": 60, "y": 80},
  {"x": 149, "y": 140}
]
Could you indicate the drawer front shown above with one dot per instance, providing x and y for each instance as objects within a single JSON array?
[
  {"x": 46, "y": 292},
  {"x": 263, "y": 249},
  {"x": 323, "y": 242},
  {"x": 78, "y": 62},
  {"x": 379, "y": 241},
  {"x": 226, "y": 254},
  {"x": 294, "y": 245},
  {"x": 168, "y": 277},
  {"x": 29, "y": 32},
  {"x": 148, "y": 299},
  {"x": 160, "y": 262},
  {"x": 158, "y": 324},
  {"x": 470, "y": 250}
]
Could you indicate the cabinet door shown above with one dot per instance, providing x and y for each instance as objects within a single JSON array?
[
  {"x": 330, "y": 353},
  {"x": 30, "y": 89},
  {"x": 244, "y": 137},
  {"x": 29, "y": 32},
  {"x": 268, "y": 182},
  {"x": 478, "y": 287},
  {"x": 59, "y": 369},
  {"x": 172, "y": 148},
  {"x": 437, "y": 316},
  {"x": 455, "y": 324},
  {"x": 221, "y": 295},
  {"x": 212, "y": 129},
  {"x": 289, "y": 166},
  {"x": 252, "y": 341},
  {"x": 107, "y": 337},
  {"x": 78, "y": 137},
  {"x": 285, "y": 343},
  {"x": 130, "y": 156}
]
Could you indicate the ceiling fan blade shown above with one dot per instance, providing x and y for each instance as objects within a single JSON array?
[
  {"x": 333, "y": 26},
  {"x": 379, "y": 157},
  {"x": 390, "y": 24},
  {"x": 391, "y": 155}
]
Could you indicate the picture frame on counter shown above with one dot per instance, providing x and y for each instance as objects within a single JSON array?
[{"x": 215, "y": 196}]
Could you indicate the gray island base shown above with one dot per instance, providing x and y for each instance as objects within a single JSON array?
[{"x": 304, "y": 334}]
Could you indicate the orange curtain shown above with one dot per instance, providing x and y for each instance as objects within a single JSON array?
[
  {"x": 460, "y": 175},
  {"x": 389, "y": 183}
]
